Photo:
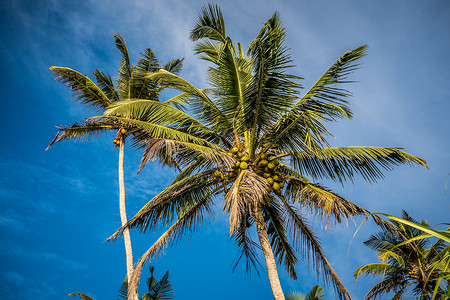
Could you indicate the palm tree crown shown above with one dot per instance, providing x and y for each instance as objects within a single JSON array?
[
  {"x": 408, "y": 262},
  {"x": 131, "y": 82},
  {"x": 256, "y": 141}
]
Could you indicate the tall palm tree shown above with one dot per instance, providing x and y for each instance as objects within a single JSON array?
[
  {"x": 408, "y": 262},
  {"x": 262, "y": 146},
  {"x": 130, "y": 83}
]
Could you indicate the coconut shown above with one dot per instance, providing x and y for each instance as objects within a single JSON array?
[
  {"x": 275, "y": 177},
  {"x": 238, "y": 164},
  {"x": 117, "y": 115},
  {"x": 275, "y": 162},
  {"x": 263, "y": 156},
  {"x": 217, "y": 173},
  {"x": 245, "y": 158},
  {"x": 267, "y": 188},
  {"x": 271, "y": 166},
  {"x": 269, "y": 180},
  {"x": 266, "y": 169},
  {"x": 263, "y": 163},
  {"x": 276, "y": 186},
  {"x": 123, "y": 131},
  {"x": 281, "y": 165},
  {"x": 266, "y": 175},
  {"x": 234, "y": 149},
  {"x": 243, "y": 165}
]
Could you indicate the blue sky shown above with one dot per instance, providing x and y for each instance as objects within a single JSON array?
[{"x": 58, "y": 207}]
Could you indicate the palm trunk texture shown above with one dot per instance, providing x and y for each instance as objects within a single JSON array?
[
  {"x": 271, "y": 265},
  {"x": 123, "y": 213}
]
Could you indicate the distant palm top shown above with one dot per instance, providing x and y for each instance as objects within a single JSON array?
[{"x": 255, "y": 141}]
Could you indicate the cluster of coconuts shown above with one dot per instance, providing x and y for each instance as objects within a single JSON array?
[
  {"x": 267, "y": 167},
  {"x": 122, "y": 132}
]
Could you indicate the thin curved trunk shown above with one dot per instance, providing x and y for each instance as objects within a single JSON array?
[
  {"x": 271, "y": 265},
  {"x": 123, "y": 212}
]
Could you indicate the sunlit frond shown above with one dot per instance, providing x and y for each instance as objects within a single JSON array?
[
  {"x": 83, "y": 89},
  {"x": 343, "y": 163}
]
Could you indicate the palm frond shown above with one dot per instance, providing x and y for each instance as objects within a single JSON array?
[
  {"x": 210, "y": 24},
  {"x": 276, "y": 229},
  {"x": 342, "y": 163},
  {"x": 83, "y": 132},
  {"x": 247, "y": 247},
  {"x": 105, "y": 82},
  {"x": 185, "y": 224},
  {"x": 83, "y": 89},
  {"x": 174, "y": 66},
  {"x": 305, "y": 239},
  {"x": 82, "y": 296}
]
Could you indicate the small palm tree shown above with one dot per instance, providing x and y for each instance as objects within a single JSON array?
[
  {"x": 408, "y": 261},
  {"x": 260, "y": 145},
  {"x": 130, "y": 83},
  {"x": 316, "y": 293},
  {"x": 157, "y": 290}
]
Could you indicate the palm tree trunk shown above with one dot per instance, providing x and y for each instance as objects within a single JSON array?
[
  {"x": 271, "y": 265},
  {"x": 123, "y": 212}
]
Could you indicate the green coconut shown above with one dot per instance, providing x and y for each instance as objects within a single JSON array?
[
  {"x": 271, "y": 166},
  {"x": 235, "y": 149},
  {"x": 276, "y": 186},
  {"x": 267, "y": 188},
  {"x": 243, "y": 165},
  {"x": 263, "y": 156},
  {"x": 281, "y": 165},
  {"x": 275, "y": 177},
  {"x": 269, "y": 180},
  {"x": 266, "y": 175},
  {"x": 263, "y": 163},
  {"x": 245, "y": 158},
  {"x": 275, "y": 162}
]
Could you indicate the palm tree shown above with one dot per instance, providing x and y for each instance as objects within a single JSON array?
[
  {"x": 157, "y": 290},
  {"x": 130, "y": 83},
  {"x": 408, "y": 261},
  {"x": 316, "y": 293},
  {"x": 262, "y": 146}
]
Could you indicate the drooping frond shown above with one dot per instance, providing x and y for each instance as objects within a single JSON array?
[
  {"x": 305, "y": 239},
  {"x": 342, "y": 163},
  {"x": 83, "y": 89},
  {"x": 184, "y": 225},
  {"x": 247, "y": 192},
  {"x": 81, "y": 132},
  {"x": 276, "y": 229},
  {"x": 247, "y": 247}
]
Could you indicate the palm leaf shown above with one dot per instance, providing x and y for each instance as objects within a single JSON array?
[
  {"x": 342, "y": 163},
  {"x": 78, "y": 131},
  {"x": 83, "y": 89},
  {"x": 82, "y": 296}
]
